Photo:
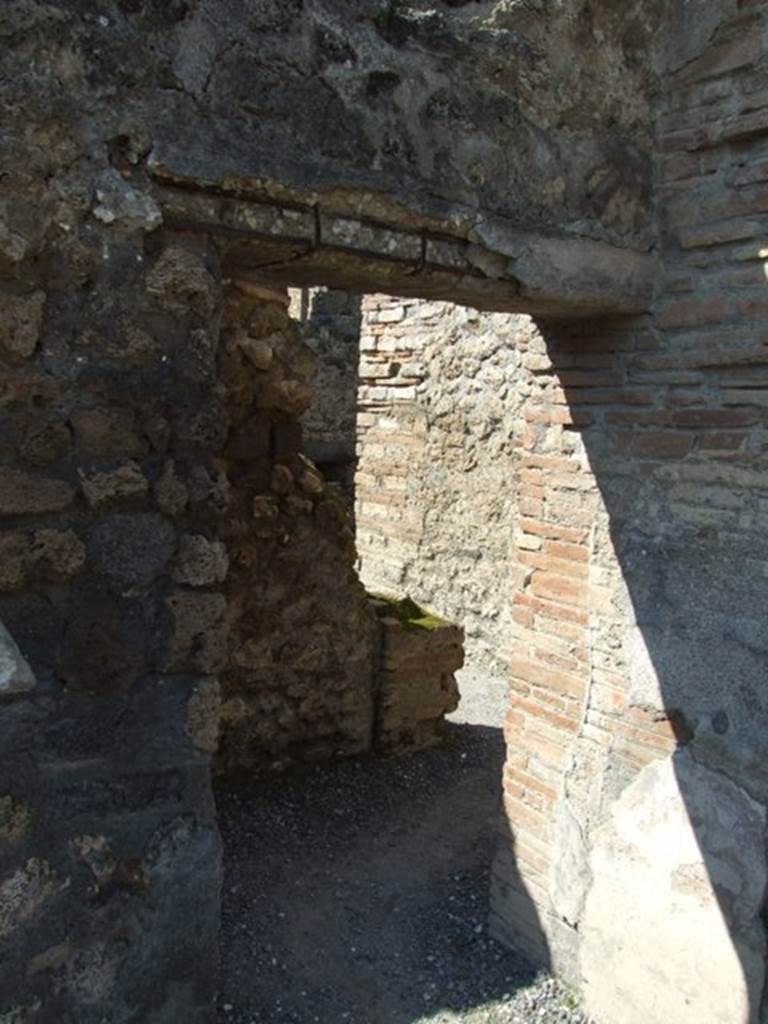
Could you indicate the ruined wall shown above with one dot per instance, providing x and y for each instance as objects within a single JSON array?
[
  {"x": 111, "y": 443},
  {"x": 177, "y": 582},
  {"x": 635, "y": 785},
  {"x": 299, "y": 681},
  {"x": 157, "y": 518},
  {"x": 161, "y": 531},
  {"x": 520, "y": 136},
  {"x": 439, "y": 397}
]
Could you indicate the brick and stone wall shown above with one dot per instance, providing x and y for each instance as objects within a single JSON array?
[
  {"x": 154, "y": 153},
  {"x": 439, "y": 395},
  {"x": 635, "y": 790}
]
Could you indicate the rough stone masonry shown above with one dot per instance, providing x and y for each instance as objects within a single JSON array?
[
  {"x": 596, "y": 170},
  {"x": 440, "y": 388}
]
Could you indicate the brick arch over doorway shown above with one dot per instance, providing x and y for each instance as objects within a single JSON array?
[{"x": 154, "y": 205}]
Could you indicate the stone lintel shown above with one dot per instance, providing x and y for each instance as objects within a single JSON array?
[{"x": 496, "y": 268}]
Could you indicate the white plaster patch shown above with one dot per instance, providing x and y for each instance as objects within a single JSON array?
[
  {"x": 671, "y": 930},
  {"x": 15, "y": 674}
]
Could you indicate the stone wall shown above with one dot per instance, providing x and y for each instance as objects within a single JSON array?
[
  {"x": 112, "y": 478},
  {"x": 158, "y": 525},
  {"x": 180, "y": 580},
  {"x": 177, "y": 582},
  {"x": 307, "y": 673},
  {"x": 419, "y": 654},
  {"x": 439, "y": 396},
  {"x": 331, "y": 328},
  {"x": 299, "y": 681},
  {"x": 461, "y": 140},
  {"x": 420, "y": 105}
]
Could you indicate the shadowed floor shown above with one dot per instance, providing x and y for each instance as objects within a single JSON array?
[{"x": 359, "y": 892}]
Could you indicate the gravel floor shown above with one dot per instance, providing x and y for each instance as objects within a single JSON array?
[{"x": 357, "y": 893}]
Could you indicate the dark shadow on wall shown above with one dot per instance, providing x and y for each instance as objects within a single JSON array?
[
  {"x": 681, "y": 474},
  {"x": 331, "y": 327},
  {"x": 358, "y": 892}
]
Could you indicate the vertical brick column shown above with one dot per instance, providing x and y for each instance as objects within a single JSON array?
[
  {"x": 568, "y": 715},
  {"x": 391, "y": 443}
]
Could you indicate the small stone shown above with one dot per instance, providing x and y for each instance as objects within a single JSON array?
[
  {"x": 105, "y": 431},
  {"x": 265, "y": 507},
  {"x": 14, "y": 819},
  {"x": 61, "y": 552},
  {"x": 13, "y": 246},
  {"x": 134, "y": 344},
  {"x": 205, "y": 426},
  {"x": 180, "y": 282},
  {"x": 311, "y": 482},
  {"x": 104, "y": 643},
  {"x": 281, "y": 480},
  {"x": 14, "y": 549},
  {"x": 96, "y": 853},
  {"x": 390, "y": 316},
  {"x": 132, "y": 550},
  {"x": 295, "y": 506},
  {"x": 117, "y": 202},
  {"x": 199, "y": 631},
  {"x": 22, "y": 493},
  {"x": 21, "y": 320},
  {"x": 22, "y": 893},
  {"x": 45, "y": 443},
  {"x": 50, "y": 959},
  {"x": 203, "y": 713},
  {"x": 54, "y": 553},
  {"x": 157, "y": 430},
  {"x": 197, "y": 357},
  {"x": 124, "y": 482},
  {"x": 209, "y": 488},
  {"x": 201, "y": 562},
  {"x": 258, "y": 352},
  {"x": 171, "y": 493},
  {"x": 291, "y": 396}
]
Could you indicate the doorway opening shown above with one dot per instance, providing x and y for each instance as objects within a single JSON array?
[{"x": 359, "y": 890}]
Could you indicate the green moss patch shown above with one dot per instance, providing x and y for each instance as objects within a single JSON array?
[{"x": 406, "y": 611}]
